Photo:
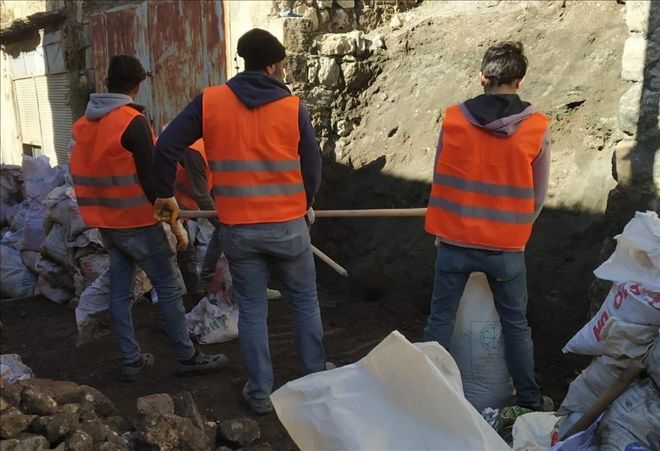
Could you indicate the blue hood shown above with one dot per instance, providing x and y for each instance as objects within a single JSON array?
[{"x": 255, "y": 88}]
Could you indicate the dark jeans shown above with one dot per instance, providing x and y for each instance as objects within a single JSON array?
[
  {"x": 147, "y": 247},
  {"x": 213, "y": 252},
  {"x": 507, "y": 279},
  {"x": 187, "y": 261}
]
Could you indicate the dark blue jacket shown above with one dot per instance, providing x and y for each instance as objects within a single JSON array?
[{"x": 254, "y": 89}]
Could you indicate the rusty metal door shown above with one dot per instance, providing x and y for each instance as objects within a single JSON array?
[
  {"x": 122, "y": 30},
  {"x": 181, "y": 43}
]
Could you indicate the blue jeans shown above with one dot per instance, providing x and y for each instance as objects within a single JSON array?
[
  {"x": 507, "y": 279},
  {"x": 187, "y": 262},
  {"x": 252, "y": 252},
  {"x": 148, "y": 248}
]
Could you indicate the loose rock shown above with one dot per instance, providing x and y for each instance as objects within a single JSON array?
[
  {"x": 341, "y": 21},
  {"x": 169, "y": 433},
  {"x": 356, "y": 75},
  {"x": 53, "y": 427},
  {"x": 63, "y": 392},
  {"x": 154, "y": 405},
  {"x": 25, "y": 442},
  {"x": 239, "y": 432},
  {"x": 185, "y": 406},
  {"x": 34, "y": 402},
  {"x": 11, "y": 392},
  {"x": 94, "y": 400},
  {"x": 12, "y": 423},
  {"x": 79, "y": 441},
  {"x": 100, "y": 432}
]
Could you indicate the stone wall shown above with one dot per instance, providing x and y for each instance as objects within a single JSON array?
[
  {"x": 329, "y": 71},
  {"x": 636, "y": 159},
  {"x": 340, "y": 16}
]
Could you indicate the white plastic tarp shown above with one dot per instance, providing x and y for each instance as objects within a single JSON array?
[{"x": 395, "y": 398}]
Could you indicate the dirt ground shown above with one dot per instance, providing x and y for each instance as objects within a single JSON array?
[
  {"x": 44, "y": 334},
  {"x": 387, "y": 162}
]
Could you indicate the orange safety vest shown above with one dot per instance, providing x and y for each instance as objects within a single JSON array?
[
  {"x": 104, "y": 175},
  {"x": 483, "y": 190},
  {"x": 253, "y": 158},
  {"x": 182, "y": 188}
]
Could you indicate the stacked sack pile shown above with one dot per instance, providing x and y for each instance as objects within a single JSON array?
[
  {"x": 46, "y": 247},
  {"x": 624, "y": 332}
]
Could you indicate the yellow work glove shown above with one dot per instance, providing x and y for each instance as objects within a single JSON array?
[{"x": 166, "y": 210}]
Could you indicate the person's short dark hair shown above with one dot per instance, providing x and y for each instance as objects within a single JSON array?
[
  {"x": 259, "y": 49},
  {"x": 504, "y": 63},
  {"x": 125, "y": 73}
]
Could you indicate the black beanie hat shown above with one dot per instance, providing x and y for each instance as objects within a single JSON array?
[{"x": 259, "y": 49}]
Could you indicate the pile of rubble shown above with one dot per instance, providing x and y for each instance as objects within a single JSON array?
[{"x": 45, "y": 414}]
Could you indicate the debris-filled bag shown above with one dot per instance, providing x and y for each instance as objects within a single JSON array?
[
  {"x": 395, "y": 398},
  {"x": 627, "y": 301},
  {"x": 637, "y": 254},
  {"x": 215, "y": 318},
  {"x": 17, "y": 279},
  {"x": 632, "y": 422},
  {"x": 13, "y": 369},
  {"x": 478, "y": 347}
]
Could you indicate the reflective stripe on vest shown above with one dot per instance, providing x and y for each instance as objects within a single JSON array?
[
  {"x": 256, "y": 176},
  {"x": 483, "y": 191},
  {"x": 104, "y": 175},
  {"x": 183, "y": 189}
]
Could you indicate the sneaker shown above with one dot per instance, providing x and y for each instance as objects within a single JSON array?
[
  {"x": 201, "y": 363},
  {"x": 273, "y": 295},
  {"x": 258, "y": 406},
  {"x": 130, "y": 371}
]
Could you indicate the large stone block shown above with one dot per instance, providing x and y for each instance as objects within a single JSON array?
[
  {"x": 298, "y": 35},
  {"x": 345, "y": 4},
  {"x": 633, "y": 162},
  {"x": 637, "y": 15},
  {"x": 335, "y": 44},
  {"x": 634, "y": 56},
  {"x": 357, "y": 75},
  {"x": 629, "y": 109},
  {"x": 329, "y": 73}
]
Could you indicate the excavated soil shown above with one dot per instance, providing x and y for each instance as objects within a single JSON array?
[{"x": 574, "y": 50}]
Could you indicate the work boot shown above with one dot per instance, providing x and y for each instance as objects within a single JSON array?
[
  {"x": 130, "y": 371},
  {"x": 201, "y": 363},
  {"x": 546, "y": 404},
  {"x": 258, "y": 406}
]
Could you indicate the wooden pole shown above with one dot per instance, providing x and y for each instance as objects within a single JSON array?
[
  {"x": 369, "y": 213},
  {"x": 330, "y": 262}
]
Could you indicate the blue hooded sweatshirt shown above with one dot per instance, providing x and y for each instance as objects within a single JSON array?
[{"x": 254, "y": 89}]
